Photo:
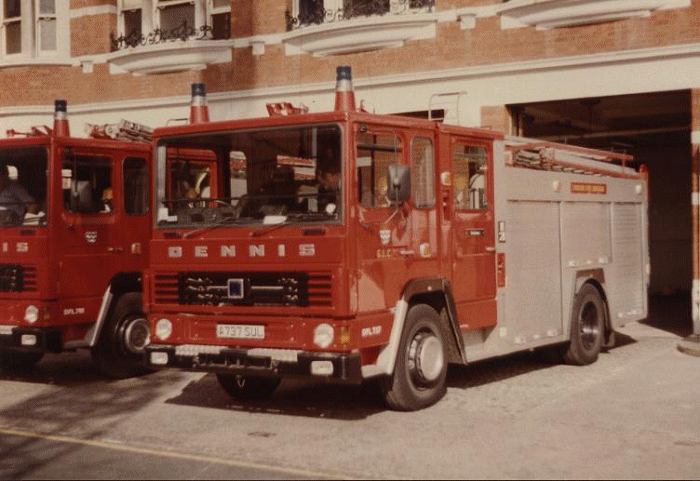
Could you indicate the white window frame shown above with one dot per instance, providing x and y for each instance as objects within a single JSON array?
[
  {"x": 38, "y": 18},
  {"x": 335, "y": 5},
  {"x": 30, "y": 27},
  {"x": 150, "y": 13}
]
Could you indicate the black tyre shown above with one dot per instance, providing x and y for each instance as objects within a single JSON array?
[
  {"x": 248, "y": 387},
  {"x": 14, "y": 360},
  {"x": 587, "y": 327},
  {"x": 118, "y": 353},
  {"x": 421, "y": 363}
]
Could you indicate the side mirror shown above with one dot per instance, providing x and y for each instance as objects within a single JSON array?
[{"x": 398, "y": 183}]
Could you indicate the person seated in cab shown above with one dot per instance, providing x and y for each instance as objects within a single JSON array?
[
  {"x": 322, "y": 195},
  {"x": 14, "y": 198}
]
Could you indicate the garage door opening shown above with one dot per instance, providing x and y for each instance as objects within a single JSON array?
[{"x": 655, "y": 129}]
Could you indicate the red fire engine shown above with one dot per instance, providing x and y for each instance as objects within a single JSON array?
[
  {"x": 74, "y": 235},
  {"x": 347, "y": 246}
]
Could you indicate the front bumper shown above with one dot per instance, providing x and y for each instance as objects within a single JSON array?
[
  {"x": 32, "y": 339},
  {"x": 346, "y": 367}
]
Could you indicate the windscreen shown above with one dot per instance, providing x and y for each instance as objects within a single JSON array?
[
  {"x": 23, "y": 185},
  {"x": 249, "y": 177}
]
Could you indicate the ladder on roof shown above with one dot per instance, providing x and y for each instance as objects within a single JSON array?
[
  {"x": 124, "y": 130},
  {"x": 542, "y": 155}
]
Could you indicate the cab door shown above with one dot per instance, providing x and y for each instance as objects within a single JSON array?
[
  {"x": 469, "y": 220},
  {"x": 131, "y": 206},
  {"x": 90, "y": 230}
]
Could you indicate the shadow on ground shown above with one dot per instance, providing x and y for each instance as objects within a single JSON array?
[
  {"x": 294, "y": 397},
  {"x": 76, "y": 403},
  {"x": 318, "y": 399},
  {"x": 65, "y": 369}
]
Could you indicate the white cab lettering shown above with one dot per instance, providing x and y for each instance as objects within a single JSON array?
[
  {"x": 371, "y": 331},
  {"x": 201, "y": 251},
  {"x": 256, "y": 251},
  {"x": 174, "y": 251},
  {"x": 73, "y": 311},
  {"x": 228, "y": 251}
]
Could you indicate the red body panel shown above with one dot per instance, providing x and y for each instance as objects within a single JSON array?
[
  {"x": 74, "y": 256},
  {"x": 370, "y": 258}
]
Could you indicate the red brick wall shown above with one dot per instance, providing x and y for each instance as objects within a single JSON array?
[
  {"x": 496, "y": 118},
  {"x": 75, "y": 4},
  {"x": 486, "y": 44},
  {"x": 90, "y": 35}
]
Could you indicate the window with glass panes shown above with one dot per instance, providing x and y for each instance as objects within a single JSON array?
[
  {"x": 29, "y": 28},
  {"x": 172, "y": 17}
]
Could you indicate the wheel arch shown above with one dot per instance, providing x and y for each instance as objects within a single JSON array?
[
  {"x": 596, "y": 278},
  {"x": 437, "y": 293},
  {"x": 120, "y": 284}
]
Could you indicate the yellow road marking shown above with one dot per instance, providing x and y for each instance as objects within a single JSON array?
[{"x": 189, "y": 457}]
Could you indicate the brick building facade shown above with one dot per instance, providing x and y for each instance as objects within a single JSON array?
[{"x": 607, "y": 73}]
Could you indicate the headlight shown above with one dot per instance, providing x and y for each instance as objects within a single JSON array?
[
  {"x": 31, "y": 314},
  {"x": 164, "y": 328},
  {"x": 323, "y": 335}
]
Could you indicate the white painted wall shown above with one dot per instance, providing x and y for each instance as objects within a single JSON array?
[{"x": 638, "y": 71}]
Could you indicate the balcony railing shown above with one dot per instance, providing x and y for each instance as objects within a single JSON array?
[
  {"x": 182, "y": 33},
  {"x": 313, "y": 12}
]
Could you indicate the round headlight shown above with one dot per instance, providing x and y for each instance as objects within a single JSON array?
[
  {"x": 323, "y": 335},
  {"x": 164, "y": 328},
  {"x": 31, "y": 314}
]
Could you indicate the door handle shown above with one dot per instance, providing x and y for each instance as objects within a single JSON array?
[
  {"x": 490, "y": 249},
  {"x": 116, "y": 250}
]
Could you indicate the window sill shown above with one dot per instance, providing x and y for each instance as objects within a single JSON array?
[
  {"x": 174, "y": 56},
  {"x": 546, "y": 14},
  {"x": 22, "y": 61},
  {"x": 360, "y": 35}
]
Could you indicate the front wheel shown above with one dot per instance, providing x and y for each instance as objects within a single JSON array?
[
  {"x": 119, "y": 351},
  {"x": 248, "y": 387},
  {"x": 421, "y": 364},
  {"x": 587, "y": 327}
]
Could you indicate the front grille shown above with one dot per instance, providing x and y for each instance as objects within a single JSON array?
[
  {"x": 17, "y": 278},
  {"x": 244, "y": 288}
]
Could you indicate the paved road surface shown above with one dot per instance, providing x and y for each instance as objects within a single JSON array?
[{"x": 633, "y": 414}]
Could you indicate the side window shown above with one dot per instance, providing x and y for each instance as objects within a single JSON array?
[
  {"x": 469, "y": 177},
  {"x": 374, "y": 153},
  {"x": 135, "y": 186},
  {"x": 87, "y": 184},
  {"x": 423, "y": 172}
]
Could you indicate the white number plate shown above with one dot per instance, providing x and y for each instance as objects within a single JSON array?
[
  {"x": 240, "y": 331},
  {"x": 6, "y": 330}
]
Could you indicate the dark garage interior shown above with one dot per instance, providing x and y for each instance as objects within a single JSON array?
[{"x": 655, "y": 129}]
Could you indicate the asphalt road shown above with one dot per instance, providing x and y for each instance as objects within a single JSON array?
[{"x": 633, "y": 414}]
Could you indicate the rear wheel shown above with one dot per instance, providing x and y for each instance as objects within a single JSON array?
[
  {"x": 421, "y": 364},
  {"x": 248, "y": 387},
  {"x": 11, "y": 359},
  {"x": 587, "y": 327},
  {"x": 119, "y": 351}
]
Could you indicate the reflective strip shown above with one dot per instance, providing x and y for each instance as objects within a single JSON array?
[
  {"x": 695, "y": 198},
  {"x": 195, "y": 349},
  {"x": 283, "y": 355}
]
